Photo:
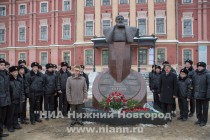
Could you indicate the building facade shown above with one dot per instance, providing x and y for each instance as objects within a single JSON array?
[{"x": 61, "y": 30}]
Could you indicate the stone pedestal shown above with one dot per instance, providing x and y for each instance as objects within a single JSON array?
[{"x": 133, "y": 87}]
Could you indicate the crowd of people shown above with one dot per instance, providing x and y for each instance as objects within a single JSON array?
[
  {"x": 58, "y": 90},
  {"x": 42, "y": 89},
  {"x": 191, "y": 87}
]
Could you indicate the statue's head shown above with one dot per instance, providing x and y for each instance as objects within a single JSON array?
[{"x": 120, "y": 21}]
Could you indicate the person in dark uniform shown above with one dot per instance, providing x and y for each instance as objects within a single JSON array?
[
  {"x": 17, "y": 97},
  {"x": 184, "y": 93},
  {"x": 173, "y": 71},
  {"x": 49, "y": 90},
  {"x": 5, "y": 99},
  {"x": 34, "y": 89},
  {"x": 167, "y": 89},
  {"x": 23, "y": 63},
  {"x": 23, "y": 106},
  {"x": 82, "y": 73},
  {"x": 189, "y": 67},
  {"x": 56, "y": 95},
  {"x": 201, "y": 87},
  {"x": 151, "y": 76},
  {"x": 62, "y": 76},
  {"x": 154, "y": 86}
]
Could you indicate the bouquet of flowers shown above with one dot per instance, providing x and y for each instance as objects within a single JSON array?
[{"x": 115, "y": 100}]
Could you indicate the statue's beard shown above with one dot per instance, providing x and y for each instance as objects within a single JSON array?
[{"x": 120, "y": 25}]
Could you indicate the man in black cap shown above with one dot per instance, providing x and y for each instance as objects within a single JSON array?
[
  {"x": 201, "y": 86},
  {"x": 34, "y": 88},
  {"x": 189, "y": 67},
  {"x": 62, "y": 77},
  {"x": 184, "y": 93},
  {"x": 23, "y": 106},
  {"x": 23, "y": 63},
  {"x": 154, "y": 86},
  {"x": 17, "y": 97},
  {"x": 5, "y": 99},
  {"x": 50, "y": 90},
  {"x": 82, "y": 73}
]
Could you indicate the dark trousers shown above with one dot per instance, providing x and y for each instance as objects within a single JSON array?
[
  {"x": 23, "y": 107},
  {"x": 3, "y": 112},
  {"x": 56, "y": 103},
  {"x": 202, "y": 107},
  {"x": 34, "y": 102},
  {"x": 77, "y": 109},
  {"x": 48, "y": 104},
  {"x": 41, "y": 103},
  {"x": 167, "y": 108},
  {"x": 63, "y": 103},
  {"x": 174, "y": 105},
  {"x": 192, "y": 106},
  {"x": 183, "y": 107},
  {"x": 12, "y": 115},
  {"x": 156, "y": 99}
]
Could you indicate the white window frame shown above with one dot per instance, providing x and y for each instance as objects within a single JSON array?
[
  {"x": 19, "y": 34},
  {"x": 102, "y": 23},
  {"x": 66, "y": 51},
  {"x": 138, "y": 24},
  {"x": 141, "y": 3},
  {"x": 123, "y": 3},
  {"x": 70, "y": 7},
  {"x": 187, "y": 16},
  {"x": 5, "y": 55},
  {"x": 89, "y": 6},
  {"x": 160, "y": 14},
  {"x": 5, "y": 10},
  {"x": 93, "y": 27},
  {"x": 106, "y": 5},
  {"x": 69, "y": 31},
  {"x": 187, "y": 3},
  {"x": 22, "y": 53},
  {"x": 85, "y": 57},
  {"x": 41, "y": 57},
  {"x": 159, "y": 2},
  {"x": 41, "y": 7},
  {"x": 4, "y": 28},
  {"x": 25, "y": 9},
  {"x": 40, "y": 33},
  {"x": 191, "y": 49}
]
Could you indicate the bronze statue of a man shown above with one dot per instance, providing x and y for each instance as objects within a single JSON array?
[
  {"x": 120, "y": 32},
  {"x": 119, "y": 38}
]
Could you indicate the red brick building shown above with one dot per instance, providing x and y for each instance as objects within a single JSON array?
[{"x": 61, "y": 30}]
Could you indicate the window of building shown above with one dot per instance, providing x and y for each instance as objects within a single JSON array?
[
  {"x": 89, "y": 3},
  {"x": 161, "y": 55},
  {"x": 2, "y": 35},
  {"x": 43, "y": 33},
  {"x": 142, "y": 26},
  {"x": 123, "y": 1},
  {"x": 187, "y": 27},
  {"x": 2, "y": 10},
  {"x": 159, "y": 1},
  {"x": 66, "y": 5},
  {"x": 22, "y": 56},
  {"x": 22, "y": 34},
  {"x": 22, "y": 9},
  {"x": 106, "y": 2},
  {"x": 44, "y": 7},
  {"x": 126, "y": 22},
  {"x": 187, "y": 54},
  {"x": 105, "y": 57},
  {"x": 3, "y": 56},
  {"x": 187, "y": 1},
  {"x": 89, "y": 28},
  {"x": 44, "y": 60},
  {"x": 88, "y": 57},
  {"x": 142, "y": 56},
  {"x": 160, "y": 25},
  {"x": 66, "y": 32},
  {"x": 106, "y": 24},
  {"x": 141, "y": 1},
  {"x": 66, "y": 57}
]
